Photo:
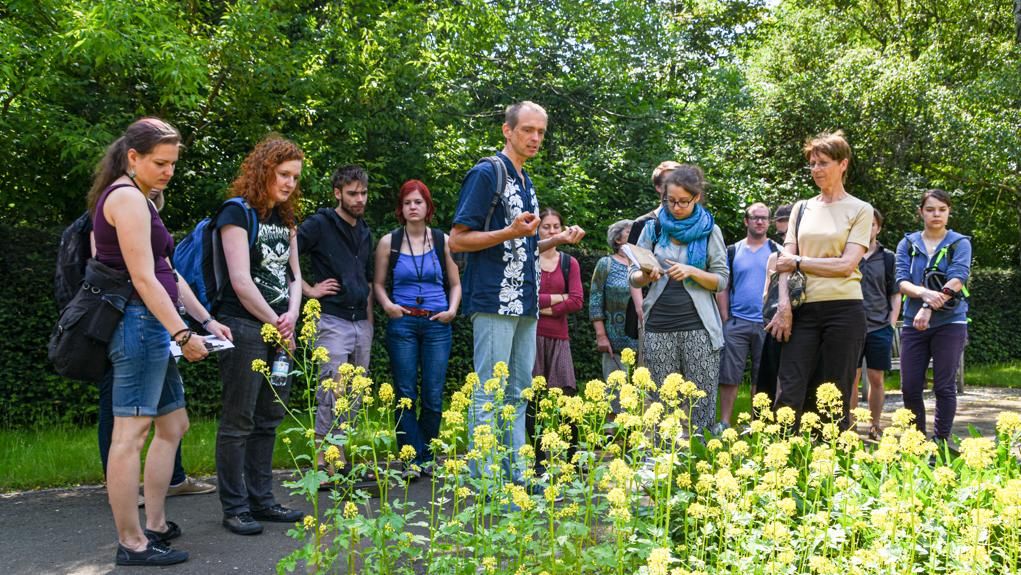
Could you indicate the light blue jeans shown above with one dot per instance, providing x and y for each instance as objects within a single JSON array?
[{"x": 510, "y": 339}]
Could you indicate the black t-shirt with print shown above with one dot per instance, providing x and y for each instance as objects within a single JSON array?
[{"x": 268, "y": 264}]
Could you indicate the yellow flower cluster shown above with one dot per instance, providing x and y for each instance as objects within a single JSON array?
[
  {"x": 270, "y": 334},
  {"x": 828, "y": 399},
  {"x": 627, "y": 356},
  {"x": 978, "y": 452}
]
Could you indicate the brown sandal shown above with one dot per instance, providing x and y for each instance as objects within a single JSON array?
[{"x": 875, "y": 433}]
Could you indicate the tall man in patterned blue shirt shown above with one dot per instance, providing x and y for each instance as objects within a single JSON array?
[{"x": 501, "y": 287}]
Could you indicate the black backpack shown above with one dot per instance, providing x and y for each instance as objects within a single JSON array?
[
  {"x": 73, "y": 254},
  {"x": 74, "y": 251}
]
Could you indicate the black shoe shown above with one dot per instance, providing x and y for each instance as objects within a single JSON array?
[
  {"x": 155, "y": 554},
  {"x": 242, "y": 524},
  {"x": 278, "y": 514},
  {"x": 172, "y": 532}
]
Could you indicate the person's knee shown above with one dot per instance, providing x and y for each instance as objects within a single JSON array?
[{"x": 130, "y": 433}]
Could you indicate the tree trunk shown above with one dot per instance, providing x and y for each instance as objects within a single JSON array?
[{"x": 1017, "y": 21}]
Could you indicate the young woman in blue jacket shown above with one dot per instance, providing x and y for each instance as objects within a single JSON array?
[{"x": 933, "y": 266}]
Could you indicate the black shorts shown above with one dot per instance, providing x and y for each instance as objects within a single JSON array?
[{"x": 878, "y": 345}]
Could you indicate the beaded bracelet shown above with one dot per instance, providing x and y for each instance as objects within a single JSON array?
[{"x": 184, "y": 340}]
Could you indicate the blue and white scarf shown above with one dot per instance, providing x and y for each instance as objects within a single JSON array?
[{"x": 692, "y": 231}]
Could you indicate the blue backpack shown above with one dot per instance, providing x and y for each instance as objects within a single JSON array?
[{"x": 198, "y": 258}]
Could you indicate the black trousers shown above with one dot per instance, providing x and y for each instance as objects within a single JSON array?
[{"x": 825, "y": 347}]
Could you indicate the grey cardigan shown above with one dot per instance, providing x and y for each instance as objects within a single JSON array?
[{"x": 704, "y": 300}]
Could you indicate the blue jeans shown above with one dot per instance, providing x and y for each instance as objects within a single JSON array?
[
  {"x": 510, "y": 339},
  {"x": 413, "y": 343},
  {"x": 106, "y": 429},
  {"x": 146, "y": 382}
]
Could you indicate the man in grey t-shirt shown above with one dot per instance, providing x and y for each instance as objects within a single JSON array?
[{"x": 881, "y": 298}]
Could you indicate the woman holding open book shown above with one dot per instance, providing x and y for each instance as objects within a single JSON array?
[{"x": 683, "y": 330}]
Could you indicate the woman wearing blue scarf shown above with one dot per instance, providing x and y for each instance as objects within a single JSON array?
[{"x": 683, "y": 331}]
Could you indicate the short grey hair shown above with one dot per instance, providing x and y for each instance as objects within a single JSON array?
[
  {"x": 614, "y": 232},
  {"x": 514, "y": 110}
]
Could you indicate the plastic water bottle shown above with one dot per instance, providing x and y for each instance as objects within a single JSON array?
[{"x": 281, "y": 369}]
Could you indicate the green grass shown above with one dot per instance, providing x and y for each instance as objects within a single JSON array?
[
  {"x": 1006, "y": 375},
  {"x": 66, "y": 456}
]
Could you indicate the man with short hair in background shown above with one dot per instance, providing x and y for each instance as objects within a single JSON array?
[
  {"x": 339, "y": 245},
  {"x": 741, "y": 308},
  {"x": 780, "y": 220}
]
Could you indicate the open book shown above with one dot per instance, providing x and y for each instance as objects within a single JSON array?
[
  {"x": 641, "y": 257},
  {"x": 213, "y": 344}
]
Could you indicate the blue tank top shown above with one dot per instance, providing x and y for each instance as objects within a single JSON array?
[{"x": 425, "y": 293}]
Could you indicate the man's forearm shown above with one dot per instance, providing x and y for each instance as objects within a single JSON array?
[{"x": 476, "y": 241}]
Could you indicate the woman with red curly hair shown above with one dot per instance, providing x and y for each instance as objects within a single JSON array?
[
  {"x": 261, "y": 253},
  {"x": 420, "y": 303}
]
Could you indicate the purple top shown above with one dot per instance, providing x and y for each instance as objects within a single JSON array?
[{"x": 108, "y": 250}]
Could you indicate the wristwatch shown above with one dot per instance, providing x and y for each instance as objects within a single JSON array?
[
  {"x": 925, "y": 305},
  {"x": 797, "y": 262}
]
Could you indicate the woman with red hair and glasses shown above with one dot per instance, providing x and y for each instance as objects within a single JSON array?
[{"x": 421, "y": 301}]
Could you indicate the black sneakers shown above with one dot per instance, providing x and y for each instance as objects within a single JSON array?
[
  {"x": 172, "y": 532},
  {"x": 155, "y": 554},
  {"x": 242, "y": 524},
  {"x": 278, "y": 514}
]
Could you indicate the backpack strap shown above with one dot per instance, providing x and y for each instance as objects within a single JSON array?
[
  {"x": 565, "y": 268},
  {"x": 396, "y": 239},
  {"x": 501, "y": 181},
  {"x": 253, "y": 218},
  {"x": 440, "y": 249}
]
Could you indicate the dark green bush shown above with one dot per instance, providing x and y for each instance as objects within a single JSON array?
[{"x": 31, "y": 393}]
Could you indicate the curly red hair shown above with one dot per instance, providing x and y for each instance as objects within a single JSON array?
[{"x": 252, "y": 182}]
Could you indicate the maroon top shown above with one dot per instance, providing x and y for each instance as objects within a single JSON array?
[
  {"x": 555, "y": 326},
  {"x": 108, "y": 251}
]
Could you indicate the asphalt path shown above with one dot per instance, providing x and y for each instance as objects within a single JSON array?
[{"x": 70, "y": 531}]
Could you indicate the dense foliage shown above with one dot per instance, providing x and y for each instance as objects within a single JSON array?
[{"x": 928, "y": 92}]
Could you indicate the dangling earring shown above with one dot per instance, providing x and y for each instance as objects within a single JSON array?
[{"x": 131, "y": 173}]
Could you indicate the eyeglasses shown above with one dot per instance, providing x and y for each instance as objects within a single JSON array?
[
  {"x": 758, "y": 218},
  {"x": 813, "y": 166},
  {"x": 678, "y": 203}
]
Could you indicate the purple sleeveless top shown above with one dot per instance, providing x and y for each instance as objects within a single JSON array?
[{"x": 108, "y": 251}]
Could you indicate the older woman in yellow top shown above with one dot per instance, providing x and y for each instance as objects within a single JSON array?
[{"x": 826, "y": 238}]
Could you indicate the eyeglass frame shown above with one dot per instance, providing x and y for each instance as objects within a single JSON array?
[{"x": 669, "y": 203}]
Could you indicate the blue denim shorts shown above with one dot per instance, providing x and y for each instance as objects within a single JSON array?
[
  {"x": 146, "y": 382},
  {"x": 876, "y": 350}
]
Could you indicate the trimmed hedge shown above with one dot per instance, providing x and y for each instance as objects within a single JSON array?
[{"x": 32, "y": 394}]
